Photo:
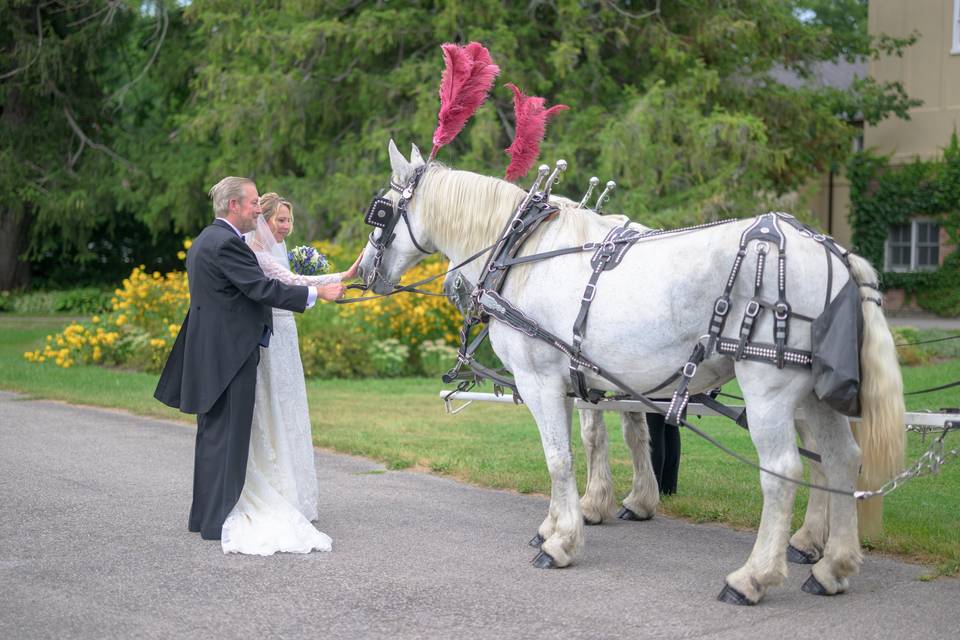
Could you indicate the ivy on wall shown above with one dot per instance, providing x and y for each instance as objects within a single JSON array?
[{"x": 882, "y": 196}]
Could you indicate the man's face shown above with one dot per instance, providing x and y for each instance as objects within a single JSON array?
[{"x": 246, "y": 210}]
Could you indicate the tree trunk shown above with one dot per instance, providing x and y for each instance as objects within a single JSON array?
[
  {"x": 14, "y": 225},
  {"x": 14, "y": 273}
]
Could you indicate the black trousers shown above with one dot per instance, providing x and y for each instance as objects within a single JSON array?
[
  {"x": 664, "y": 452},
  {"x": 220, "y": 458}
]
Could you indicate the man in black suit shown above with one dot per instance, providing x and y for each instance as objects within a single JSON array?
[{"x": 212, "y": 368}]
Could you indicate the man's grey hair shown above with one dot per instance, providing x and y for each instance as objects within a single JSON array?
[{"x": 230, "y": 188}]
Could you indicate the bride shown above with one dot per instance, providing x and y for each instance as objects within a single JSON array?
[{"x": 279, "y": 498}]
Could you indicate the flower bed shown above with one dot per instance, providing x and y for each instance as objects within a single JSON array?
[{"x": 405, "y": 334}]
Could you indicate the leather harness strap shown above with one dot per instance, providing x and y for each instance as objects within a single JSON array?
[{"x": 608, "y": 255}]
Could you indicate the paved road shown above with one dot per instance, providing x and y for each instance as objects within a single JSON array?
[
  {"x": 93, "y": 544},
  {"x": 922, "y": 321}
]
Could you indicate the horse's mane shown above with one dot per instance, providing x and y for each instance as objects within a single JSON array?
[{"x": 483, "y": 204}]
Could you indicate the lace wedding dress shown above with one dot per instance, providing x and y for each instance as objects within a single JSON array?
[{"x": 279, "y": 498}]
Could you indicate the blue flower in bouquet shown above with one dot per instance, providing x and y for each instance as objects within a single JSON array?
[{"x": 307, "y": 261}]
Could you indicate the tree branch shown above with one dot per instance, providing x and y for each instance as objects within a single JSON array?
[
  {"x": 634, "y": 16},
  {"x": 36, "y": 55},
  {"x": 95, "y": 145},
  {"x": 511, "y": 132},
  {"x": 162, "y": 25}
]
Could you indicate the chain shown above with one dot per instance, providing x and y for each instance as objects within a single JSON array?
[{"x": 927, "y": 465}]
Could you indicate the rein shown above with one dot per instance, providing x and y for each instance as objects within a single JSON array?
[{"x": 411, "y": 288}]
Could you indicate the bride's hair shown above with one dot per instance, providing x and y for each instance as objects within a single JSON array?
[{"x": 270, "y": 203}]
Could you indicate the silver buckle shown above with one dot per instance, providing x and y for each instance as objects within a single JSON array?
[
  {"x": 689, "y": 370},
  {"x": 721, "y": 307},
  {"x": 589, "y": 293},
  {"x": 781, "y": 312},
  {"x": 753, "y": 308}
]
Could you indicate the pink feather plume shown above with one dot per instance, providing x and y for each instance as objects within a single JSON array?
[
  {"x": 531, "y": 123},
  {"x": 467, "y": 78}
]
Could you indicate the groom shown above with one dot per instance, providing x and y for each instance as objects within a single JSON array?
[{"x": 212, "y": 369}]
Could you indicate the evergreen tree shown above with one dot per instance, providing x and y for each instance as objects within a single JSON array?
[{"x": 674, "y": 100}]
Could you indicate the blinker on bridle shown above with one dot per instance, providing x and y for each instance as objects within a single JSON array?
[{"x": 383, "y": 215}]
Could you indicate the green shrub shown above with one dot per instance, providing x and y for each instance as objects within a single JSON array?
[
  {"x": 35, "y": 302},
  {"x": 942, "y": 297},
  {"x": 83, "y": 301},
  {"x": 336, "y": 351},
  {"x": 6, "y": 301},
  {"x": 436, "y": 357},
  {"x": 390, "y": 358},
  {"x": 907, "y": 353}
]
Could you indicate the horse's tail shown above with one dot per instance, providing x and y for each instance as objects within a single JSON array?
[{"x": 881, "y": 433}]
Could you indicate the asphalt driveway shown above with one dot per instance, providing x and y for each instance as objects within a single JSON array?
[{"x": 93, "y": 544}]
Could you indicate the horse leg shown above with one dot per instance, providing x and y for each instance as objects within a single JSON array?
[
  {"x": 562, "y": 529},
  {"x": 598, "y": 501},
  {"x": 641, "y": 503},
  {"x": 806, "y": 545},
  {"x": 841, "y": 462},
  {"x": 771, "y": 403}
]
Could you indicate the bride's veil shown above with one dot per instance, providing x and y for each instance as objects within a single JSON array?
[{"x": 261, "y": 240}]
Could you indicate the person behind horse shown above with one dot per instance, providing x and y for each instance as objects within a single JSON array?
[{"x": 212, "y": 369}]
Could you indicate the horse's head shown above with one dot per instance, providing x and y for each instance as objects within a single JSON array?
[{"x": 397, "y": 241}]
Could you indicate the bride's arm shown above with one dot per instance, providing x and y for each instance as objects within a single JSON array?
[{"x": 274, "y": 271}]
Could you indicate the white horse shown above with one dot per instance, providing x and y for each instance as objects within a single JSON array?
[{"x": 646, "y": 316}]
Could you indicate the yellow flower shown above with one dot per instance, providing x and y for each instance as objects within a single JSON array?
[
  {"x": 187, "y": 243},
  {"x": 182, "y": 255},
  {"x": 121, "y": 320}
]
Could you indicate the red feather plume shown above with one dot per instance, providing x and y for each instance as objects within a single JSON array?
[
  {"x": 531, "y": 123},
  {"x": 467, "y": 78}
]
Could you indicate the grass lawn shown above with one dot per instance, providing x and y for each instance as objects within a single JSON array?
[{"x": 402, "y": 423}]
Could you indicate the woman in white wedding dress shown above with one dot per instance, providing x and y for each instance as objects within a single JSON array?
[{"x": 279, "y": 498}]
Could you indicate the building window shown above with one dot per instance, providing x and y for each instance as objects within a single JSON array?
[
  {"x": 914, "y": 246},
  {"x": 858, "y": 139},
  {"x": 955, "y": 49}
]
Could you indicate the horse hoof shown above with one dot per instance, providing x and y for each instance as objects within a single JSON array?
[
  {"x": 730, "y": 595},
  {"x": 587, "y": 521},
  {"x": 536, "y": 540},
  {"x": 543, "y": 560},
  {"x": 813, "y": 586},
  {"x": 796, "y": 556},
  {"x": 628, "y": 514}
]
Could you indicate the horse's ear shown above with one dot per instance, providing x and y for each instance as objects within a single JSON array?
[
  {"x": 415, "y": 158},
  {"x": 398, "y": 164}
]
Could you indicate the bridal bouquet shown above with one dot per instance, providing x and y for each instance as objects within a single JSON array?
[{"x": 307, "y": 261}]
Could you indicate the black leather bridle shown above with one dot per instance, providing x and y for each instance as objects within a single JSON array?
[{"x": 384, "y": 215}]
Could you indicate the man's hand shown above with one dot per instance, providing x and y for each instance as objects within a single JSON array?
[
  {"x": 351, "y": 273},
  {"x": 330, "y": 292}
]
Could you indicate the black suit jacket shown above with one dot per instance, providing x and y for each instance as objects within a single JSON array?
[{"x": 230, "y": 304}]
